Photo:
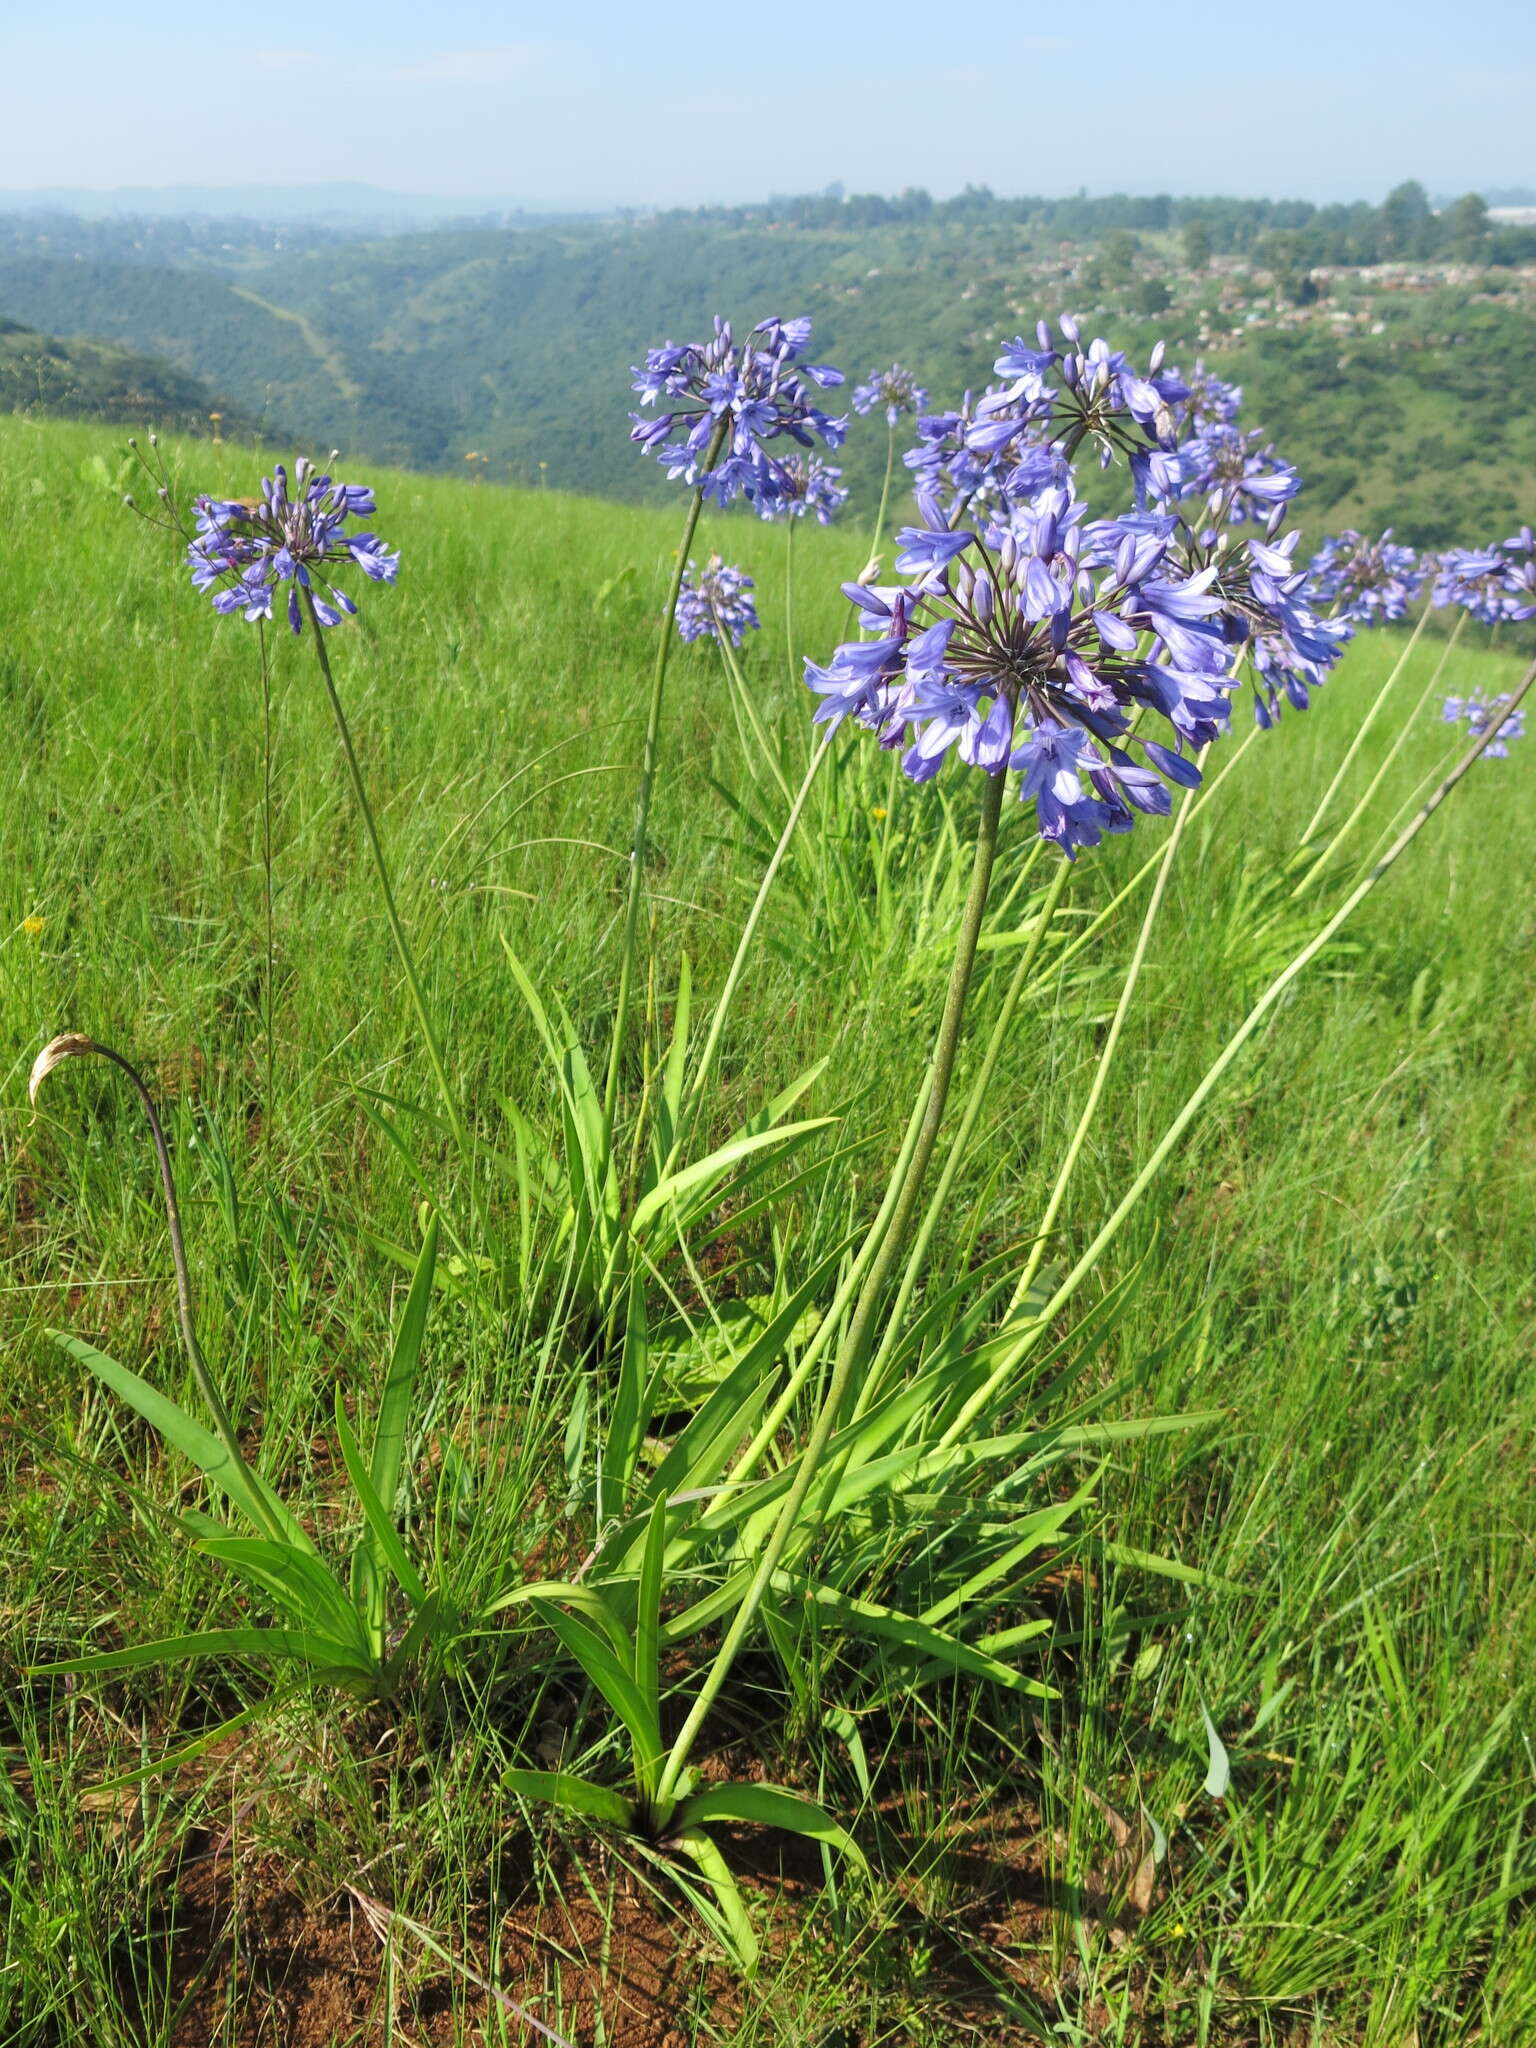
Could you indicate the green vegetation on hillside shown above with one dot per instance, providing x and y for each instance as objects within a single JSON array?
[
  {"x": 82, "y": 379},
  {"x": 1395, "y": 346},
  {"x": 1280, "y": 1790}
]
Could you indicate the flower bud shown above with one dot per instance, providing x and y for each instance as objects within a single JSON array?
[{"x": 69, "y": 1045}]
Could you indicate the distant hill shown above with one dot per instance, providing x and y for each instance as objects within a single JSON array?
[
  {"x": 92, "y": 380},
  {"x": 339, "y": 202},
  {"x": 1390, "y": 350}
]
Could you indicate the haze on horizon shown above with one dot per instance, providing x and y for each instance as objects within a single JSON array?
[{"x": 498, "y": 106}]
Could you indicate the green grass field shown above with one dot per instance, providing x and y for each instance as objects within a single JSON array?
[{"x": 1336, "y": 1269}]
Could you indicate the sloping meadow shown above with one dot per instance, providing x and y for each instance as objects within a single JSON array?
[{"x": 1180, "y": 1690}]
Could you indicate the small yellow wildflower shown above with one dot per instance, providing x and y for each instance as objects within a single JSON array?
[
  {"x": 877, "y": 812},
  {"x": 34, "y": 926}
]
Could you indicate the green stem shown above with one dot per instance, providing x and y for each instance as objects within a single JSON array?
[
  {"x": 1090, "y": 932},
  {"x": 1105, "y": 1061},
  {"x": 1349, "y": 824},
  {"x": 1364, "y": 727},
  {"x": 748, "y": 708},
  {"x": 981, "y": 1089},
  {"x": 403, "y": 951},
  {"x": 885, "y": 492},
  {"x": 852, "y": 1349},
  {"x": 722, "y": 1008},
  {"x": 268, "y": 1107},
  {"x": 222, "y": 1422},
  {"x": 1038, "y": 1324},
  {"x": 790, "y": 524},
  {"x": 647, "y": 785}
]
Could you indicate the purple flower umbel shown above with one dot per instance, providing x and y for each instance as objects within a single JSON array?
[
  {"x": 242, "y": 549},
  {"x": 717, "y": 603},
  {"x": 896, "y": 389},
  {"x": 1477, "y": 713},
  {"x": 805, "y": 484},
  {"x": 748, "y": 395},
  {"x": 1366, "y": 581},
  {"x": 1034, "y": 646},
  {"x": 1027, "y": 639},
  {"x": 1496, "y": 585}
]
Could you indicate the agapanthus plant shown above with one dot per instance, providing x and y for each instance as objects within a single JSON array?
[
  {"x": 734, "y": 401},
  {"x": 717, "y": 604},
  {"x": 1365, "y": 581},
  {"x": 1496, "y": 585},
  {"x": 1477, "y": 713},
  {"x": 895, "y": 389},
  {"x": 244, "y": 549},
  {"x": 1031, "y": 640},
  {"x": 806, "y": 484},
  {"x": 1211, "y": 401}
]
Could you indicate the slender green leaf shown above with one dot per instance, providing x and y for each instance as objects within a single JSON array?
[
  {"x": 616, "y": 1682},
  {"x": 768, "y": 1806},
  {"x": 738, "y": 1933},
  {"x": 242, "y": 1486},
  {"x": 574, "y": 1794},
  {"x": 268, "y": 1644},
  {"x": 714, "y": 1167},
  {"x": 389, "y": 1551},
  {"x": 400, "y": 1381}
]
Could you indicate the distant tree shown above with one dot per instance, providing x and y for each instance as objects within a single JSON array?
[
  {"x": 1151, "y": 296},
  {"x": 1466, "y": 228},
  {"x": 1120, "y": 250},
  {"x": 1284, "y": 253},
  {"x": 1197, "y": 245},
  {"x": 1406, "y": 220}
]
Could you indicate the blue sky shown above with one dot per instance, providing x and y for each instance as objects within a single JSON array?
[{"x": 597, "y": 103}]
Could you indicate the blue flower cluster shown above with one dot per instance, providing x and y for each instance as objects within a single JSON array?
[
  {"x": 736, "y": 400},
  {"x": 1029, "y": 637},
  {"x": 896, "y": 389},
  {"x": 1496, "y": 584},
  {"x": 717, "y": 603},
  {"x": 1222, "y": 464},
  {"x": 242, "y": 549},
  {"x": 1366, "y": 581},
  {"x": 1478, "y": 713},
  {"x": 1211, "y": 401},
  {"x": 806, "y": 484}
]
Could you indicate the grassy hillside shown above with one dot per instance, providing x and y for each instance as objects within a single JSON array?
[
  {"x": 1335, "y": 1270},
  {"x": 43, "y": 376},
  {"x": 1401, "y": 392}
]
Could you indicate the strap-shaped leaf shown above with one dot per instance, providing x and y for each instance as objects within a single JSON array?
[
  {"x": 629, "y": 1417},
  {"x": 400, "y": 1381},
  {"x": 299, "y": 1582},
  {"x": 735, "y": 1930},
  {"x": 574, "y": 1794},
  {"x": 768, "y": 1806},
  {"x": 653, "y": 1563},
  {"x": 250, "y": 1494},
  {"x": 714, "y": 1166},
  {"x": 616, "y": 1682},
  {"x": 868, "y": 1618},
  {"x": 389, "y": 1552},
  {"x": 706, "y": 1444},
  {"x": 584, "y": 1599},
  {"x": 288, "y": 1645}
]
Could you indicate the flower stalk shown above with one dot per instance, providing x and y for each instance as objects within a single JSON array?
[
  {"x": 403, "y": 950},
  {"x": 76, "y": 1045},
  {"x": 648, "y": 783},
  {"x": 855, "y": 1340}
]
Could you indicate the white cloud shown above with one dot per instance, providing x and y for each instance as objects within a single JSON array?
[{"x": 497, "y": 66}]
